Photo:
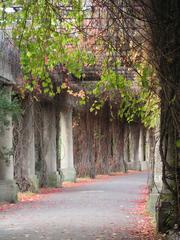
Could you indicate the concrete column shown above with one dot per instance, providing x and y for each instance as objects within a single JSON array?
[
  {"x": 134, "y": 163},
  {"x": 8, "y": 188},
  {"x": 126, "y": 145},
  {"x": 66, "y": 145},
  {"x": 28, "y": 150},
  {"x": 149, "y": 149},
  {"x": 141, "y": 155},
  {"x": 49, "y": 146},
  {"x": 141, "y": 144},
  {"x": 131, "y": 145},
  {"x": 147, "y": 145},
  {"x": 158, "y": 164},
  {"x": 156, "y": 185},
  {"x": 118, "y": 141}
]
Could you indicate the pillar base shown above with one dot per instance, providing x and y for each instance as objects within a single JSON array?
[
  {"x": 165, "y": 216},
  {"x": 144, "y": 165},
  {"x": 164, "y": 220},
  {"x": 153, "y": 203},
  {"x": 54, "y": 180},
  {"x": 8, "y": 191},
  {"x": 134, "y": 166},
  {"x": 159, "y": 210},
  {"x": 69, "y": 174},
  {"x": 34, "y": 184}
]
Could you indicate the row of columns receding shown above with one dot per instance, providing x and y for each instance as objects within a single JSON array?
[
  {"x": 8, "y": 189},
  {"x": 54, "y": 175}
]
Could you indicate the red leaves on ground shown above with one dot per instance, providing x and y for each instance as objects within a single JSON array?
[
  {"x": 49, "y": 190},
  {"x": 144, "y": 228},
  {"x": 79, "y": 182},
  {"x": 30, "y": 197},
  {"x": 84, "y": 181},
  {"x": 4, "y": 206},
  {"x": 22, "y": 197}
]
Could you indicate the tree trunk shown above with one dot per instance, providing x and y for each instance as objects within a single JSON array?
[{"x": 165, "y": 31}]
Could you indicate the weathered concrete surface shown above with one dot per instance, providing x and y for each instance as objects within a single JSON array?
[
  {"x": 126, "y": 144},
  {"x": 27, "y": 152},
  {"x": 102, "y": 210},
  {"x": 9, "y": 60},
  {"x": 117, "y": 141},
  {"x": 8, "y": 188},
  {"x": 8, "y": 191},
  {"x": 49, "y": 145},
  {"x": 9, "y": 72},
  {"x": 156, "y": 185},
  {"x": 66, "y": 145},
  {"x": 134, "y": 161},
  {"x": 141, "y": 151}
]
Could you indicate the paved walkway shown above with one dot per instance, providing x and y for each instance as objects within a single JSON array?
[{"x": 98, "y": 211}]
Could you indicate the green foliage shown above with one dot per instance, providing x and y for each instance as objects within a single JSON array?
[
  {"x": 178, "y": 143},
  {"x": 136, "y": 98},
  {"x": 5, "y": 154},
  {"x": 7, "y": 108},
  {"x": 47, "y": 34},
  {"x": 96, "y": 106}
]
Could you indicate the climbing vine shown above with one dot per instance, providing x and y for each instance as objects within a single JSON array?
[
  {"x": 132, "y": 95},
  {"x": 152, "y": 27},
  {"x": 47, "y": 34},
  {"x": 143, "y": 36},
  {"x": 51, "y": 34},
  {"x": 7, "y": 108}
]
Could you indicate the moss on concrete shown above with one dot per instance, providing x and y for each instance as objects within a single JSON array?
[
  {"x": 8, "y": 191},
  {"x": 34, "y": 184},
  {"x": 54, "y": 180}
]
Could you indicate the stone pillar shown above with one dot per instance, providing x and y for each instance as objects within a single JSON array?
[
  {"x": 147, "y": 145},
  {"x": 118, "y": 140},
  {"x": 49, "y": 145},
  {"x": 8, "y": 188},
  {"x": 141, "y": 144},
  {"x": 158, "y": 165},
  {"x": 149, "y": 148},
  {"x": 150, "y": 153},
  {"x": 134, "y": 163},
  {"x": 156, "y": 182},
  {"x": 131, "y": 145},
  {"x": 28, "y": 150},
  {"x": 66, "y": 145},
  {"x": 126, "y": 145},
  {"x": 141, "y": 155}
]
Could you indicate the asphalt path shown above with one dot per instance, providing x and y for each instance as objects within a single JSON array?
[{"x": 98, "y": 211}]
